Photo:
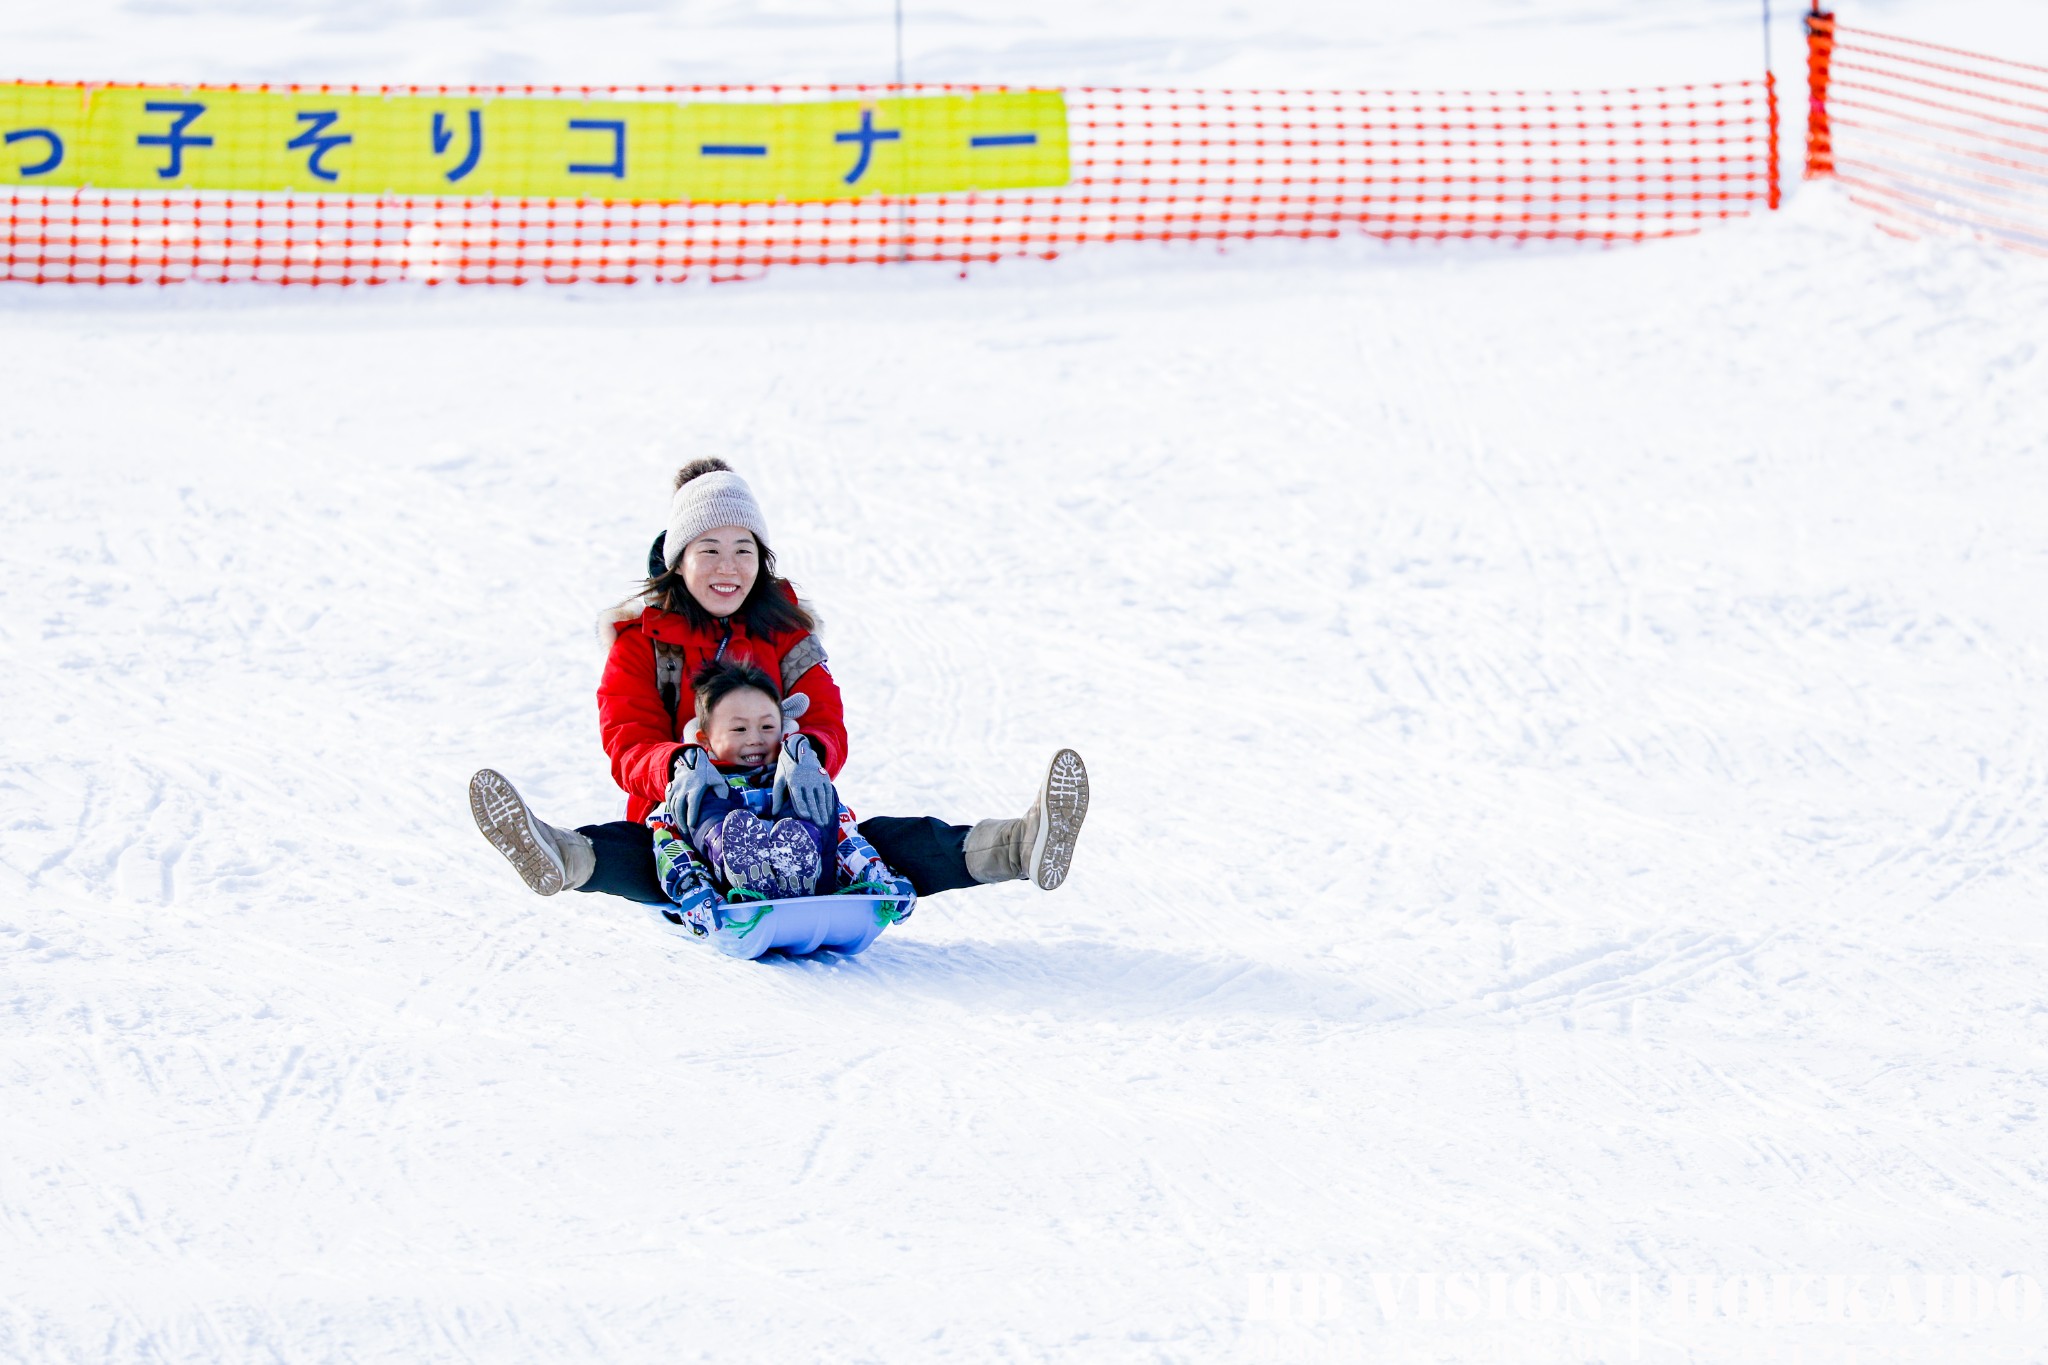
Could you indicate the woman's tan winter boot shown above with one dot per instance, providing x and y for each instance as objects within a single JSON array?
[
  {"x": 1041, "y": 845},
  {"x": 546, "y": 858}
]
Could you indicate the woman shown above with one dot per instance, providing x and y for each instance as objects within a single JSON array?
[{"x": 713, "y": 593}]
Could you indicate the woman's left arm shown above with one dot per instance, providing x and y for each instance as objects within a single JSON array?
[
  {"x": 824, "y": 721},
  {"x": 802, "y": 665}
]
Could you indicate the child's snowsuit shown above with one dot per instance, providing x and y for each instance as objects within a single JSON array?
[
  {"x": 732, "y": 847},
  {"x": 744, "y": 843}
]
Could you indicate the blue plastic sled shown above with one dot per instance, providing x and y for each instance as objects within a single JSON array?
[{"x": 797, "y": 925}]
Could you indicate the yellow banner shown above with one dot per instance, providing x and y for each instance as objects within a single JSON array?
[{"x": 211, "y": 139}]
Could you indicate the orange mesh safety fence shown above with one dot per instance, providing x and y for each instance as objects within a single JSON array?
[
  {"x": 1159, "y": 165},
  {"x": 1934, "y": 138}
]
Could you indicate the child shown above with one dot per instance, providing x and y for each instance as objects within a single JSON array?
[{"x": 719, "y": 825}]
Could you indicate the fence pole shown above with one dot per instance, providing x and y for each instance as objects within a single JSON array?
[
  {"x": 903, "y": 200},
  {"x": 1771, "y": 152},
  {"x": 1771, "y": 114},
  {"x": 1820, "y": 51}
]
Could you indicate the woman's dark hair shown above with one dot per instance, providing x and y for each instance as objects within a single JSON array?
[
  {"x": 720, "y": 678},
  {"x": 767, "y": 610}
]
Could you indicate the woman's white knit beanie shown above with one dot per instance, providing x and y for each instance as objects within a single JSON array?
[{"x": 705, "y": 503}]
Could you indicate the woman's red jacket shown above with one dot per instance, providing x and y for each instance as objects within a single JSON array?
[{"x": 643, "y": 739}]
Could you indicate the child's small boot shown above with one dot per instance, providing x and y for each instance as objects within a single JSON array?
[
  {"x": 793, "y": 853},
  {"x": 740, "y": 845}
]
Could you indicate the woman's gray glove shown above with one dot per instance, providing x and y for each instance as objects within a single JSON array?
[
  {"x": 801, "y": 784},
  {"x": 693, "y": 775}
]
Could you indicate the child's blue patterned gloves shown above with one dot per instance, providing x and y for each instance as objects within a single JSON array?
[
  {"x": 693, "y": 775},
  {"x": 801, "y": 784}
]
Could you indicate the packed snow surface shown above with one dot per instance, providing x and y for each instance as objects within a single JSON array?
[{"x": 1570, "y": 797}]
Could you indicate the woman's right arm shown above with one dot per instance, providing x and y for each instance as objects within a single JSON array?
[{"x": 637, "y": 729}]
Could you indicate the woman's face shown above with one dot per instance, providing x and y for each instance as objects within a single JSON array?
[{"x": 719, "y": 568}]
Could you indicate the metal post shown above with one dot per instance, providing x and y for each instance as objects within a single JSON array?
[{"x": 902, "y": 199}]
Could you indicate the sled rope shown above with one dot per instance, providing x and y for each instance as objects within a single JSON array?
[{"x": 885, "y": 915}]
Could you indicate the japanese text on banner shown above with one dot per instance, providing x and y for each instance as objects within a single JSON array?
[{"x": 169, "y": 138}]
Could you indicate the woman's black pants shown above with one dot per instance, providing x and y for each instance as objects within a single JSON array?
[{"x": 924, "y": 848}]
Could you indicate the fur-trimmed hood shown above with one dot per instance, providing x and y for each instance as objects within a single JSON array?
[{"x": 635, "y": 609}]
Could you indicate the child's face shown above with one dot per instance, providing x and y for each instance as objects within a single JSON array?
[{"x": 743, "y": 728}]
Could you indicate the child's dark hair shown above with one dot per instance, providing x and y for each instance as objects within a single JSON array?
[
  {"x": 767, "y": 612},
  {"x": 720, "y": 678}
]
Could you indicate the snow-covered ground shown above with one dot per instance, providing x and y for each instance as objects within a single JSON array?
[{"x": 1571, "y": 791}]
